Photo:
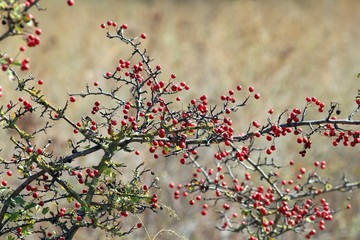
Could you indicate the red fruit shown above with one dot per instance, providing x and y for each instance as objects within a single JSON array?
[
  {"x": 124, "y": 26},
  {"x": 139, "y": 225},
  {"x": 4, "y": 183},
  {"x": 251, "y": 89},
  {"x": 71, "y": 2},
  {"x": 35, "y": 195},
  {"x": 226, "y": 206},
  {"x": 9, "y": 173},
  {"x": 38, "y": 31},
  {"x": 40, "y": 151},
  {"x": 41, "y": 82},
  {"x": 257, "y": 95},
  {"x": 4, "y": 67},
  {"x": 72, "y": 99},
  {"x": 143, "y": 36}
]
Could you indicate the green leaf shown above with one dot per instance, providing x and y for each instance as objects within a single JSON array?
[
  {"x": 19, "y": 29},
  {"x": 18, "y": 11},
  {"x": 30, "y": 205},
  {"x": 10, "y": 238},
  {"x": 328, "y": 187},
  {"x": 107, "y": 171},
  {"x": 19, "y": 201},
  {"x": 2, "y": 189},
  {"x": 14, "y": 216},
  {"x": 17, "y": 63},
  {"x": 28, "y": 230},
  {"x": 45, "y": 210},
  {"x": 3, "y": 5}
]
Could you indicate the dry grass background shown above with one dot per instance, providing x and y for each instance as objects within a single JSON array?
[{"x": 286, "y": 49}]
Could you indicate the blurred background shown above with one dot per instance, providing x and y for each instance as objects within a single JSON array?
[{"x": 287, "y": 50}]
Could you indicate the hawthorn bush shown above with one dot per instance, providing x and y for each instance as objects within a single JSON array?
[{"x": 54, "y": 196}]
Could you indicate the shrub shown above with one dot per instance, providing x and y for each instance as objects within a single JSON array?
[{"x": 56, "y": 195}]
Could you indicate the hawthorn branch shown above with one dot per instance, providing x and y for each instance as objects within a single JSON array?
[{"x": 16, "y": 193}]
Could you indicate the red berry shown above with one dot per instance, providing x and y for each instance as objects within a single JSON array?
[
  {"x": 72, "y": 99},
  {"x": 38, "y": 31},
  {"x": 40, "y": 151},
  {"x": 143, "y": 36},
  {"x": 251, "y": 89},
  {"x": 4, "y": 183},
  {"x": 35, "y": 195},
  {"x": 71, "y": 2},
  {"x": 124, "y": 26}
]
